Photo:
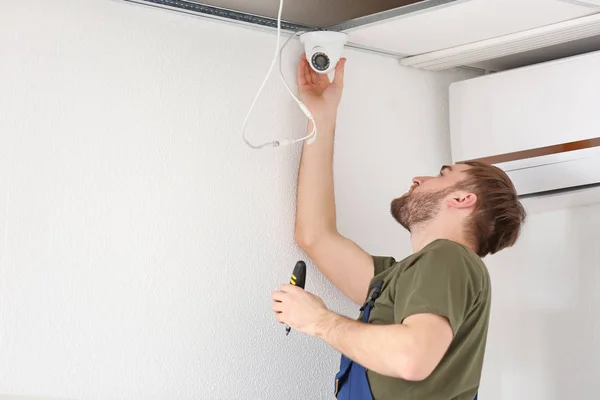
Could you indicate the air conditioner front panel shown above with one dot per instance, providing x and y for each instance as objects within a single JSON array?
[
  {"x": 540, "y": 124},
  {"x": 532, "y": 107}
]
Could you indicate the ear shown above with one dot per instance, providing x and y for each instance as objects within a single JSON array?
[{"x": 462, "y": 200}]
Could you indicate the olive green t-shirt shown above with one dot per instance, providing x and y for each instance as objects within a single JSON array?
[{"x": 446, "y": 279}]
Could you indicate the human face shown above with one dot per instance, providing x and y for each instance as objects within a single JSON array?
[
  {"x": 425, "y": 198},
  {"x": 448, "y": 177}
]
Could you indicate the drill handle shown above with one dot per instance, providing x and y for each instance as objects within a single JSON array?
[{"x": 299, "y": 275}]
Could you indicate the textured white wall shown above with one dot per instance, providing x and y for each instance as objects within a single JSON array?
[
  {"x": 543, "y": 342},
  {"x": 140, "y": 237}
]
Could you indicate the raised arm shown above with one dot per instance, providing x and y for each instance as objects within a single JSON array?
[{"x": 342, "y": 261}]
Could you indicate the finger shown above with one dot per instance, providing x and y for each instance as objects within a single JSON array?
[
  {"x": 314, "y": 76},
  {"x": 277, "y": 307},
  {"x": 278, "y": 296},
  {"x": 338, "y": 79},
  {"x": 287, "y": 288},
  {"x": 323, "y": 80},
  {"x": 307, "y": 73},
  {"x": 304, "y": 71},
  {"x": 280, "y": 318},
  {"x": 302, "y": 65}
]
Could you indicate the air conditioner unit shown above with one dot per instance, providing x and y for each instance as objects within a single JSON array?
[{"x": 540, "y": 123}]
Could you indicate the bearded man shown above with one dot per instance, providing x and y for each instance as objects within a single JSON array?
[{"x": 424, "y": 319}]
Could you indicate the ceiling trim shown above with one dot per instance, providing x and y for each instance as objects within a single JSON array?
[
  {"x": 583, "y": 3},
  {"x": 222, "y": 14},
  {"x": 196, "y": 8},
  {"x": 412, "y": 9},
  {"x": 375, "y": 50},
  {"x": 514, "y": 43}
]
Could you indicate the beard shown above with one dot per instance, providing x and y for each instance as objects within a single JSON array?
[{"x": 414, "y": 209}]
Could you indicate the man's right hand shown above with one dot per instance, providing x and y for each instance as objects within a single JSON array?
[{"x": 317, "y": 93}]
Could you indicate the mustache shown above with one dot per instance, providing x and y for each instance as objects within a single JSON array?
[{"x": 415, "y": 208}]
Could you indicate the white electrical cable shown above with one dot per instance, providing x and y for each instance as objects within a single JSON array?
[{"x": 283, "y": 142}]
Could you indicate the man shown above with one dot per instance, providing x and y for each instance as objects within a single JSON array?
[{"x": 424, "y": 319}]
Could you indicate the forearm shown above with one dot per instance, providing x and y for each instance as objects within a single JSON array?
[
  {"x": 386, "y": 349},
  {"x": 315, "y": 212},
  {"x": 342, "y": 261}
]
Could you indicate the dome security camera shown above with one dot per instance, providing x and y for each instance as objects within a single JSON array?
[{"x": 323, "y": 49}]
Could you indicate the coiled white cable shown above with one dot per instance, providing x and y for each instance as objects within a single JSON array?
[{"x": 282, "y": 142}]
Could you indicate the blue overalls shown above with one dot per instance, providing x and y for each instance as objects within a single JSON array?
[{"x": 351, "y": 382}]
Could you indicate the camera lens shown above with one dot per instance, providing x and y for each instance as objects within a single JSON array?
[{"x": 320, "y": 61}]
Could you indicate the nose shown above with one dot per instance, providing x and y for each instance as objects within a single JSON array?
[{"x": 419, "y": 180}]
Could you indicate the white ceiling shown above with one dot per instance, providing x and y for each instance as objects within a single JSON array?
[
  {"x": 416, "y": 27},
  {"x": 464, "y": 21}
]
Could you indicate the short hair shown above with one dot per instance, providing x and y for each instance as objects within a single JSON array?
[{"x": 499, "y": 215}]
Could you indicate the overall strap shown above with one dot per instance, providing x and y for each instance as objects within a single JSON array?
[
  {"x": 351, "y": 381},
  {"x": 368, "y": 306}
]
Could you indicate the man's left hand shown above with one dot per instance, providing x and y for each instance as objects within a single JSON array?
[{"x": 299, "y": 309}]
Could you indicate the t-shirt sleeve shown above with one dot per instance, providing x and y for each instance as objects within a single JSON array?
[
  {"x": 382, "y": 263},
  {"x": 443, "y": 281}
]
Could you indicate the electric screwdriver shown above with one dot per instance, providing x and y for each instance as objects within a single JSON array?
[{"x": 298, "y": 279}]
